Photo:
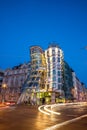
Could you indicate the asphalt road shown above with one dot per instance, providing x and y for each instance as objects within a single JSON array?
[{"x": 29, "y": 118}]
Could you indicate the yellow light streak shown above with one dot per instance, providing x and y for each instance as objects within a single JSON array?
[
  {"x": 56, "y": 105},
  {"x": 65, "y": 123},
  {"x": 52, "y": 112},
  {"x": 39, "y": 108}
]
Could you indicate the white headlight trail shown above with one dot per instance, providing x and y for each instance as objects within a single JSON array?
[
  {"x": 53, "y": 112},
  {"x": 39, "y": 108}
]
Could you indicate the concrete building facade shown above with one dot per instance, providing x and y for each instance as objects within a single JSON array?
[
  {"x": 54, "y": 60},
  {"x": 1, "y": 81},
  {"x": 14, "y": 79},
  {"x": 68, "y": 81}
]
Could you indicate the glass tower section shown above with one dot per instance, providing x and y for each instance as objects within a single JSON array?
[{"x": 37, "y": 77}]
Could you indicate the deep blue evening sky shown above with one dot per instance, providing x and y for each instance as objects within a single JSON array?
[{"x": 38, "y": 22}]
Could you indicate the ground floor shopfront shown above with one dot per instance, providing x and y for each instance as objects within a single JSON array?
[{"x": 40, "y": 98}]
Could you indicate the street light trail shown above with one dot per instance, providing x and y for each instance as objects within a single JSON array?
[
  {"x": 39, "y": 108},
  {"x": 4, "y": 107},
  {"x": 64, "y": 104},
  {"x": 8, "y": 108},
  {"x": 53, "y": 112},
  {"x": 46, "y": 109},
  {"x": 56, "y": 105},
  {"x": 65, "y": 123},
  {"x": 69, "y": 121}
]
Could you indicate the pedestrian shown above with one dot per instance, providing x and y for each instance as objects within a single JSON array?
[{"x": 43, "y": 100}]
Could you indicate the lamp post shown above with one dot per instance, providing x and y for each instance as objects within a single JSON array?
[
  {"x": 39, "y": 93},
  {"x": 4, "y": 86}
]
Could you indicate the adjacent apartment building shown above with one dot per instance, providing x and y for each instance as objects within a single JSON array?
[
  {"x": 14, "y": 78},
  {"x": 1, "y": 81}
]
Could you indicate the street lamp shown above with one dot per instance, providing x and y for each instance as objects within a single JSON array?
[{"x": 4, "y": 86}]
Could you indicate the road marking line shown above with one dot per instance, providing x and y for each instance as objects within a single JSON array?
[{"x": 65, "y": 123}]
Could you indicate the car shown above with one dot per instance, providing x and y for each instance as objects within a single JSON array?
[{"x": 10, "y": 103}]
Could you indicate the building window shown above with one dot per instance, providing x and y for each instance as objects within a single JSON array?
[
  {"x": 58, "y": 59},
  {"x": 59, "y": 80},
  {"x": 7, "y": 73},
  {"x": 48, "y": 59},
  {"x": 54, "y": 78},
  {"x": 58, "y": 51},
  {"x": 59, "y": 55},
  {"x": 53, "y": 52},
  {"x": 49, "y": 66},
  {"x": 59, "y": 86},
  {"x": 59, "y": 73},
  {"x": 58, "y": 66},
  {"x": 16, "y": 82},
  {"x": 54, "y": 72},
  {"x": 12, "y": 83},
  {"x": 36, "y": 67},
  {"x": 47, "y": 53},
  {"x": 54, "y": 85},
  {"x": 53, "y": 59},
  {"x": 48, "y": 74}
]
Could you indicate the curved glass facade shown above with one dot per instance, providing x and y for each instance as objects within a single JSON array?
[
  {"x": 36, "y": 79},
  {"x": 36, "y": 57}
]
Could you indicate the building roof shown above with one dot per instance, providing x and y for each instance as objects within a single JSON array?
[{"x": 53, "y": 44}]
